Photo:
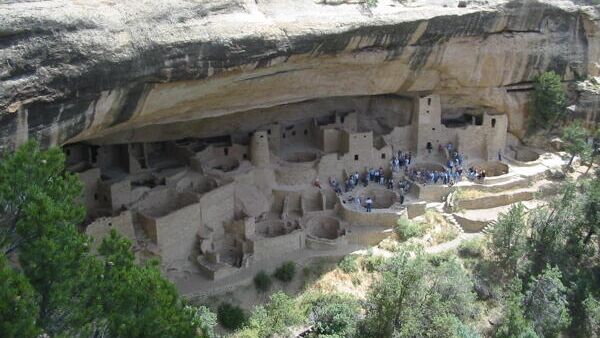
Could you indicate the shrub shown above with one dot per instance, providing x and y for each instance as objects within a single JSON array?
[
  {"x": 440, "y": 258},
  {"x": 262, "y": 281},
  {"x": 445, "y": 235},
  {"x": 231, "y": 316},
  {"x": 407, "y": 229},
  {"x": 372, "y": 262},
  {"x": 285, "y": 272},
  {"x": 471, "y": 248},
  {"x": 335, "y": 314},
  {"x": 348, "y": 264},
  {"x": 275, "y": 318},
  {"x": 390, "y": 244}
]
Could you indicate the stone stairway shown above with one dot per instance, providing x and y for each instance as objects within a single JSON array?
[{"x": 452, "y": 221}]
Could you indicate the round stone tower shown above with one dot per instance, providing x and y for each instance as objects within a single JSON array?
[{"x": 259, "y": 149}]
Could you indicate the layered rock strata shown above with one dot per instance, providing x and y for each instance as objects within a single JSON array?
[{"x": 131, "y": 71}]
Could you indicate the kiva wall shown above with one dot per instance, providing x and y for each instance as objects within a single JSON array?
[
  {"x": 176, "y": 233},
  {"x": 217, "y": 207}
]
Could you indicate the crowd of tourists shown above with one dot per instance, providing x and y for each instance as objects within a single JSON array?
[
  {"x": 402, "y": 160},
  {"x": 451, "y": 173}
]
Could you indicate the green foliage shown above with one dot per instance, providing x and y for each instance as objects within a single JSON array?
[
  {"x": 78, "y": 293},
  {"x": 335, "y": 314},
  {"x": 546, "y": 303},
  {"x": 406, "y": 229},
  {"x": 262, "y": 281},
  {"x": 371, "y": 262},
  {"x": 575, "y": 138},
  {"x": 515, "y": 324},
  {"x": 508, "y": 238},
  {"x": 39, "y": 214},
  {"x": 276, "y": 317},
  {"x": 554, "y": 233},
  {"x": 204, "y": 320},
  {"x": 348, "y": 264},
  {"x": 136, "y": 300},
  {"x": 371, "y": 3},
  {"x": 18, "y": 309},
  {"x": 472, "y": 248},
  {"x": 592, "y": 317},
  {"x": 548, "y": 101},
  {"x": 590, "y": 224},
  {"x": 285, "y": 272},
  {"x": 461, "y": 330},
  {"x": 415, "y": 298},
  {"x": 445, "y": 235},
  {"x": 231, "y": 316}
]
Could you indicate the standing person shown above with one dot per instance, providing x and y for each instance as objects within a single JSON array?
[
  {"x": 500, "y": 155},
  {"x": 358, "y": 205},
  {"x": 401, "y": 198},
  {"x": 369, "y": 203},
  {"x": 409, "y": 157},
  {"x": 429, "y": 147},
  {"x": 317, "y": 183}
]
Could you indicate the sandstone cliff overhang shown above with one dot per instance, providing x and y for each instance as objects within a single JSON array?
[{"x": 118, "y": 71}]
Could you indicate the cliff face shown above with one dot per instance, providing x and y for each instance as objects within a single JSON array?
[{"x": 131, "y": 70}]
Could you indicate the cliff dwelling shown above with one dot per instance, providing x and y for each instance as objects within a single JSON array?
[
  {"x": 213, "y": 207},
  {"x": 277, "y": 168}
]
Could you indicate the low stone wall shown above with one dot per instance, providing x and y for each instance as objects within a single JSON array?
[
  {"x": 101, "y": 227},
  {"x": 415, "y": 209},
  {"x": 274, "y": 246},
  {"x": 367, "y": 236},
  {"x": 324, "y": 244},
  {"x": 432, "y": 193},
  {"x": 494, "y": 201},
  {"x": 470, "y": 225},
  {"x": 216, "y": 271},
  {"x": 516, "y": 183},
  {"x": 385, "y": 218},
  {"x": 293, "y": 175}
]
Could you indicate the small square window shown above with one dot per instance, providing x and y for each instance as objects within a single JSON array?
[
  {"x": 268, "y": 131},
  {"x": 429, "y": 101},
  {"x": 305, "y": 131},
  {"x": 283, "y": 136},
  {"x": 383, "y": 156},
  {"x": 356, "y": 157},
  {"x": 342, "y": 119},
  {"x": 226, "y": 151},
  {"x": 294, "y": 133},
  {"x": 262, "y": 136},
  {"x": 245, "y": 156},
  {"x": 432, "y": 128}
]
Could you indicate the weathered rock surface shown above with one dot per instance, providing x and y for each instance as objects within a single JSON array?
[{"x": 135, "y": 70}]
